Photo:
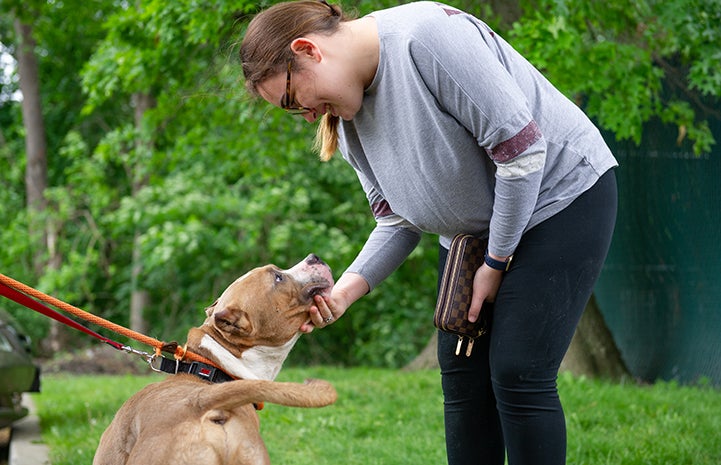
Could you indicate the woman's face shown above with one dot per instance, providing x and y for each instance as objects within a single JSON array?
[{"x": 322, "y": 85}]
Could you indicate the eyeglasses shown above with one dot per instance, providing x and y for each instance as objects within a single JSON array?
[{"x": 288, "y": 103}]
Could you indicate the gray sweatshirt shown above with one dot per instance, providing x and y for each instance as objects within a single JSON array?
[{"x": 458, "y": 133}]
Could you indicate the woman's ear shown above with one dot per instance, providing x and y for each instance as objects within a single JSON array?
[{"x": 303, "y": 47}]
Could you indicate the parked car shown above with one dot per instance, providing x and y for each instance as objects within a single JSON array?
[{"x": 19, "y": 373}]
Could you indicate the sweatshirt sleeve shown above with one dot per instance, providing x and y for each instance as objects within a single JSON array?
[
  {"x": 390, "y": 242},
  {"x": 384, "y": 251}
]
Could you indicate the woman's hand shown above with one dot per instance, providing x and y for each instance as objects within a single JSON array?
[
  {"x": 327, "y": 309},
  {"x": 485, "y": 287}
]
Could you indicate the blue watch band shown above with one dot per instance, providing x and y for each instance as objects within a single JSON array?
[{"x": 497, "y": 264}]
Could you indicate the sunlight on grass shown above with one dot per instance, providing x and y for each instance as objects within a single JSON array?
[{"x": 392, "y": 417}]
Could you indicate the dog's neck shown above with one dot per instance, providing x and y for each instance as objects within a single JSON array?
[{"x": 259, "y": 362}]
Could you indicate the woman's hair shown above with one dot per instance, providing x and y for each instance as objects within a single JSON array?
[{"x": 265, "y": 51}]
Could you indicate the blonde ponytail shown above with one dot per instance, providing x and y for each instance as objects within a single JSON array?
[{"x": 326, "y": 137}]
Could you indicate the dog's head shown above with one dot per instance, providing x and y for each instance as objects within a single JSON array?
[{"x": 267, "y": 305}]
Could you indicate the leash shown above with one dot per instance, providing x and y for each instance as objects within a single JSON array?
[{"x": 200, "y": 366}]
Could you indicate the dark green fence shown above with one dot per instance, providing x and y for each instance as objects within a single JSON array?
[{"x": 660, "y": 290}]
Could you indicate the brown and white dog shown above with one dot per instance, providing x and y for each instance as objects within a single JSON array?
[{"x": 248, "y": 332}]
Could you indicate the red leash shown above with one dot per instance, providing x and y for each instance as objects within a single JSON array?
[
  {"x": 32, "y": 304},
  {"x": 22, "y": 293},
  {"x": 19, "y": 292}
]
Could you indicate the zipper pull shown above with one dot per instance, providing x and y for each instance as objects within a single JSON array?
[
  {"x": 458, "y": 346},
  {"x": 469, "y": 348}
]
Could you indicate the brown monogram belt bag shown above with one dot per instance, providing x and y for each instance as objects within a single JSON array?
[{"x": 454, "y": 296}]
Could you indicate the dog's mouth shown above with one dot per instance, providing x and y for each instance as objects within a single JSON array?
[
  {"x": 314, "y": 275},
  {"x": 321, "y": 288}
]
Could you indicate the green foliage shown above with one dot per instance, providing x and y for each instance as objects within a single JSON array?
[
  {"x": 628, "y": 62},
  {"x": 157, "y": 46},
  {"x": 390, "y": 417},
  {"x": 208, "y": 184}
]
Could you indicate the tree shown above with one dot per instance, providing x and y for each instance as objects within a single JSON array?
[
  {"x": 627, "y": 62},
  {"x": 36, "y": 172},
  {"x": 593, "y": 351},
  {"x": 144, "y": 45},
  {"x": 205, "y": 183},
  {"x": 28, "y": 28}
]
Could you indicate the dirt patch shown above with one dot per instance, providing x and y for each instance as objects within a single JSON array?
[{"x": 96, "y": 360}]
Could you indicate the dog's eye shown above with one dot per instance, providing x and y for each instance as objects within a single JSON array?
[
  {"x": 279, "y": 278},
  {"x": 218, "y": 417}
]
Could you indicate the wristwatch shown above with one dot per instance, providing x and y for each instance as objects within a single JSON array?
[{"x": 497, "y": 264}]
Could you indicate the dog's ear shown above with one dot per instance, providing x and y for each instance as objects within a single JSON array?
[
  {"x": 209, "y": 310},
  {"x": 235, "y": 316}
]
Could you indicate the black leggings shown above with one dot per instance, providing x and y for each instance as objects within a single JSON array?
[{"x": 503, "y": 399}]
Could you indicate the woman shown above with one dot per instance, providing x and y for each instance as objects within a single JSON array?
[{"x": 451, "y": 131}]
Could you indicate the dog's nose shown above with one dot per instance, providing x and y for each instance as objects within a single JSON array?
[{"x": 313, "y": 259}]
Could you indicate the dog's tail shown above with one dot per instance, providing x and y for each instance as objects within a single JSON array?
[{"x": 312, "y": 393}]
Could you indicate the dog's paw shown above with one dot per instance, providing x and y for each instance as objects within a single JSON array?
[{"x": 322, "y": 388}]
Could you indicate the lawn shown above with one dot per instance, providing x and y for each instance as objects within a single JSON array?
[{"x": 393, "y": 417}]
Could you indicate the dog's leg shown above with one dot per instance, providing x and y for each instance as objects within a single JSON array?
[{"x": 226, "y": 396}]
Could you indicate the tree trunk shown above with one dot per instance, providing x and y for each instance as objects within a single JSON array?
[
  {"x": 140, "y": 298},
  {"x": 36, "y": 174},
  {"x": 428, "y": 358},
  {"x": 36, "y": 168},
  {"x": 592, "y": 353}
]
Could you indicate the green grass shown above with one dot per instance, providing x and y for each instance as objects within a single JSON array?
[{"x": 391, "y": 417}]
